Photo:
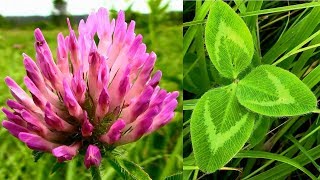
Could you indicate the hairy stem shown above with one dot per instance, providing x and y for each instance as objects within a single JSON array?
[{"x": 95, "y": 173}]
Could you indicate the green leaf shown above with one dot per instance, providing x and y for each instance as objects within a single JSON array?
[
  {"x": 272, "y": 91},
  {"x": 178, "y": 176},
  {"x": 37, "y": 155},
  {"x": 220, "y": 126},
  {"x": 228, "y": 40},
  {"x": 189, "y": 161},
  {"x": 215, "y": 77},
  {"x": 128, "y": 169},
  {"x": 57, "y": 166},
  {"x": 187, "y": 174},
  {"x": 193, "y": 79},
  {"x": 261, "y": 128}
]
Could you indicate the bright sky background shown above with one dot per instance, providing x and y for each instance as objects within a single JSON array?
[{"x": 75, "y": 7}]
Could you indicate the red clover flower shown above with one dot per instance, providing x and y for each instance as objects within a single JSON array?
[{"x": 94, "y": 97}]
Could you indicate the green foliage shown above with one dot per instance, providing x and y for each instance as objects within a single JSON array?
[
  {"x": 266, "y": 155},
  {"x": 157, "y": 12},
  {"x": 60, "y": 6},
  {"x": 177, "y": 176},
  {"x": 57, "y": 166},
  {"x": 4, "y": 22},
  {"x": 282, "y": 170},
  {"x": 60, "y": 12},
  {"x": 282, "y": 101},
  {"x": 272, "y": 91},
  {"x": 193, "y": 80},
  {"x": 219, "y": 128},
  {"x": 37, "y": 155},
  {"x": 127, "y": 169},
  {"x": 95, "y": 173},
  {"x": 260, "y": 129},
  {"x": 228, "y": 40}
]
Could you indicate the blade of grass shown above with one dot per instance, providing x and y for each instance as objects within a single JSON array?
[
  {"x": 187, "y": 122},
  {"x": 284, "y": 169},
  {"x": 305, "y": 56},
  {"x": 188, "y": 37},
  {"x": 299, "y": 17},
  {"x": 172, "y": 159},
  {"x": 284, "y": 152},
  {"x": 290, "y": 53},
  {"x": 195, "y": 175},
  {"x": 310, "y": 25},
  {"x": 189, "y": 104},
  {"x": 267, "y": 155},
  {"x": 191, "y": 67},
  {"x": 202, "y": 58},
  {"x": 286, "y": 26},
  {"x": 276, "y": 20},
  {"x": 272, "y": 141},
  {"x": 253, "y": 25},
  {"x": 193, "y": 23},
  {"x": 293, "y": 37},
  {"x": 306, "y": 48},
  {"x": 252, "y": 7},
  {"x": 313, "y": 78},
  {"x": 241, "y": 5},
  {"x": 303, "y": 150},
  {"x": 280, "y": 9}
]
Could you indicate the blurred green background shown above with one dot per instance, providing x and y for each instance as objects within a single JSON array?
[{"x": 160, "y": 154}]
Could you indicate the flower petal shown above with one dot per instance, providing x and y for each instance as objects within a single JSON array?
[
  {"x": 14, "y": 117},
  {"x": 92, "y": 157},
  {"x": 14, "y": 128},
  {"x": 36, "y": 142},
  {"x": 55, "y": 122},
  {"x": 71, "y": 103},
  {"x": 114, "y": 133},
  {"x": 66, "y": 153},
  {"x": 87, "y": 127}
]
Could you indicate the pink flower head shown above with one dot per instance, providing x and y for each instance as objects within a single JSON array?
[{"x": 102, "y": 93}]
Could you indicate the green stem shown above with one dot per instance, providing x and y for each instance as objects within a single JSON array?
[
  {"x": 70, "y": 173},
  {"x": 95, "y": 173},
  {"x": 195, "y": 175},
  {"x": 316, "y": 111}
]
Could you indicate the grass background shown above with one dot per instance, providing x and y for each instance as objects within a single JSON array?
[
  {"x": 159, "y": 154},
  {"x": 285, "y": 34}
]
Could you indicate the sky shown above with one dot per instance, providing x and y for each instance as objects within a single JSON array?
[{"x": 76, "y": 7}]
